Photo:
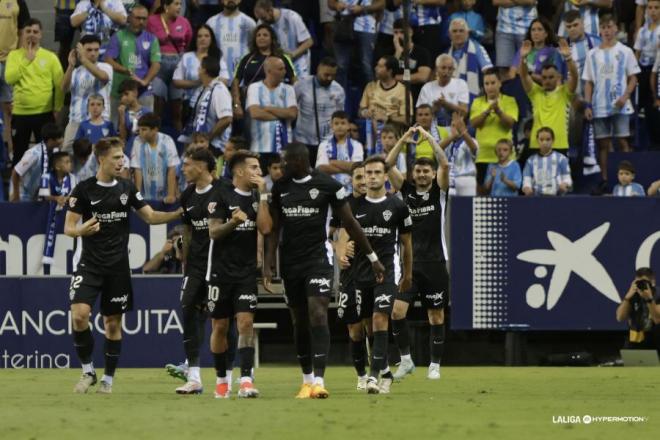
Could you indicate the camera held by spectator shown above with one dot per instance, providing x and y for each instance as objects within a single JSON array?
[{"x": 640, "y": 307}]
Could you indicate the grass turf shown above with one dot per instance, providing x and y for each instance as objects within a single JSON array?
[{"x": 468, "y": 402}]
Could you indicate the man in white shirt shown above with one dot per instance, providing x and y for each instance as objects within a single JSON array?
[
  {"x": 318, "y": 98},
  {"x": 447, "y": 94},
  {"x": 272, "y": 106},
  {"x": 91, "y": 77}
]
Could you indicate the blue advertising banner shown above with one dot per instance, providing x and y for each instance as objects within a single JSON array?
[
  {"x": 23, "y": 232},
  {"x": 35, "y": 324},
  {"x": 559, "y": 263}
]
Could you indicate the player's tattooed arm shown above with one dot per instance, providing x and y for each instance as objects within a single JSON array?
[
  {"x": 149, "y": 216},
  {"x": 264, "y": 219},
  {"x": 74, "y": 229},
  {"x": 406, "y": 280},
  {"x": 355, "y": 231},
  {"x": 219, "y": 229}
]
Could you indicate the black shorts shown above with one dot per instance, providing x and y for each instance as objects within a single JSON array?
[
  {"x": 113, "y": 284},
  {"x": 431, "y": 283},
  {"x": 226, "y": 299},
  {"x": 349, "y": 306},
  {"x": 317, "y": 283},
  {"x": 64, "y": 32},
  {"x": 193, "y": 291},
  {"x": 377, "y": 299}
]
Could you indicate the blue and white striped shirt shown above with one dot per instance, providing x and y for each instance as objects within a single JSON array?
[
  {"x": 291, "y": 31},
  {"x": 363, "y": 23},
  {"x": 324, "y": 156},
  {"x": 328, "y": 100},
  {"x": 84, "y": 84},
  {"x": 579, "y": 51},
  {"x": 609, "y": 69},
  {"x": 154, "y": 163},
  {"x": 233, "y": 37},
  {"x": 589, "y": 18},
  {"x": 647, "y": 44},
  {"x": 386, "y": 25},
  {"x": 516, "y": 19},
  {"x": 188, "y": 69},
  {"x": 30, "y": 168},
  {"x": 632, "y": 190},
  {"x": 461, "y": 160},
  {"x": 270, "y": 136},
  {"x": 544, "y": 174}
]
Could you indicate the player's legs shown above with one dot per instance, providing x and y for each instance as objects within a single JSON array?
[
  {"x": 245, "y": 325},
  {"x": 380, "y": 323},
  {"x": 83, "y": 341},
  {"x": 296, "y": 300},
  {"x": 219, "y": 328},
  {"x": 437, "y": 341},
  {"x": 358, "y": 348},
  {"x": 320, "y": 342},
  {"x": 112, "y": 350},
  {"x": 193, "y": 292},
  {"x": 401, "y": 335}
]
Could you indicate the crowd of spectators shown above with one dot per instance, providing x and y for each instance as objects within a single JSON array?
[{"x": 527, "y": 97}]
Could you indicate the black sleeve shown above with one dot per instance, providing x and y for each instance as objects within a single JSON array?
[
  {"x": 239, "y": 73},
  {"x": 136, "y": 200},
  {"x": 78, "y": 201},
  {"x": 185, "y": 216},
  {"x": 275, "y": 197},
  {"x": 23, "y": 14},
  {"x": 290, "y": 73},
  {"x": 338, "y": 195},
  {"x": 406, "y": 188}
]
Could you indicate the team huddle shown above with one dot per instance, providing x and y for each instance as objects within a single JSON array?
[{"x": 387, "y": 238}]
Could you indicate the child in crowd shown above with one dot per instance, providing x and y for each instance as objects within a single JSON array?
[
  {"x": 233, "y": 144},
  {"x": 546, "y": 173},
  {"x": 96, "y": 127},
  {"x": 626, "y": 186},
  {"x": 337, "y": 154},
  {"x": 154, "y": 160},
  {"x": 60, "y": 184},
  {"x": 503, "y": 179},
  {"x": 275, "y": 171},
  {"x": 129, "y": 111}
]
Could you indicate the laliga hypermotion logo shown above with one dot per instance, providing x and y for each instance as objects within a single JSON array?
[{"x": 577, "y": 257}]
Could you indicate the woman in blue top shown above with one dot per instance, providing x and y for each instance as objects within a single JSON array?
[{"x": 544, "y": 50}]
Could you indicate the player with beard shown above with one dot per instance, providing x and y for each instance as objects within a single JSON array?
[
  {"x": 426, "y": 199},
  {"x": 236, "y": 212},
  {"x": 350, "y": 308},
  {"x": 199, "y": 170},
  {"x": 386, "y": 222},
  {"x": 300, "y": 210},
  {"x": 98, "y": 214}
]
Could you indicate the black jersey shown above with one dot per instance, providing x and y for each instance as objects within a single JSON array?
[
  {"x": 110, "y": 203},
  {"x": 427, "y": 211},
  {"x": 234, "y": 258},
  {"x": 195, "y": 214},
  {"x": 382, "y": 221},
  {"x": 303, "y": 209}
]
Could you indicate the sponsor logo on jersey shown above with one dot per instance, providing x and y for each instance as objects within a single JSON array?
[
  {"x": 313, "y": 193},
  {"x": 421, "y": 211},
  {"x": 72, "y": 201},
  {"x": 387, "y": 215},
  {"x": 300, "y": 211},
  {"x": 376, "y": 231},
  {"x": 383, "y": 299},
  {"x": 120, "y": 299},
  {"x": 123, "y": 199},
  {"x": 138, "y": 196},
  {"x": 200, "y": 224},
  {"x": 108, "y": 217},
  {"x": 211, "y": 207},
  {"x": 436, "y": 298},
  {"x": 321, "y": 282}
]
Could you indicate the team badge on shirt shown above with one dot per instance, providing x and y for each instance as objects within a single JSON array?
[
  {"x": 145, "y": 45},
  {"x": 123, "y": 199},
  {"x": 387, "y": 215},
  {"x": 425, "y": 196},
  {"x": 72, "y": 201},
  {"x": 211, "y": 207},
  {"x": 105, "y": 132},
  {"x": 255, "y": 206},
  {"x": 313, "y": 193}
]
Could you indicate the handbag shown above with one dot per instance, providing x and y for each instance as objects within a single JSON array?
[{"x": 343, "y": 27}]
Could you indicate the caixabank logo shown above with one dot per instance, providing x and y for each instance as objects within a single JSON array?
[{"x": 558, "y": 263}]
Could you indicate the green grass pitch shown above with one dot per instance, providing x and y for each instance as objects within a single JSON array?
[{"x": 468, "y": 402}]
